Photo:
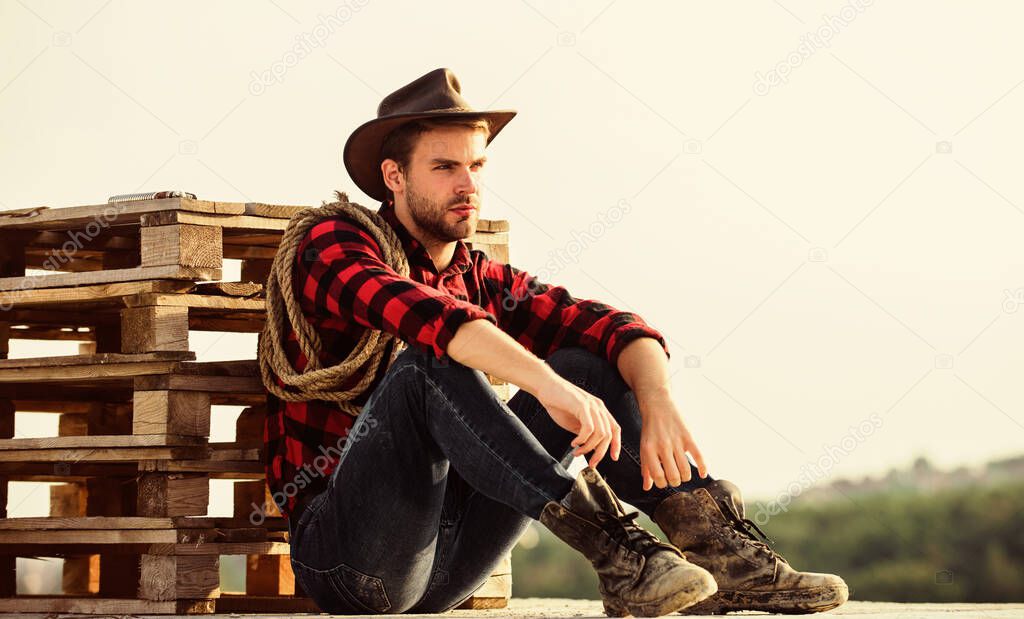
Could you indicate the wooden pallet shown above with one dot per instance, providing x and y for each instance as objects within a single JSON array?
[
  {"x": 171, "y": 238},
  {"x": 128, "y": 518},
  {"x": 148, "y": 537},
  {"x": 132, "y": 317},
  {"x": 162, "y": 555},
  {"x": 162, "y": 562},
  {"x": 132, "y": 454},
  {"x": 145, "y": 417}
]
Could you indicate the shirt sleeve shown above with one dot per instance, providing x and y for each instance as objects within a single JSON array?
[
  {"x": 345, "y": 276},
  {"x": 544, "y": 318}
]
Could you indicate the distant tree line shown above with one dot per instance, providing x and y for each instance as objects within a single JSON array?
[{"x": 963, "y": 544}]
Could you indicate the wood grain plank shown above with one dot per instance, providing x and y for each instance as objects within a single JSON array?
[{"x": 112, "y": 275}]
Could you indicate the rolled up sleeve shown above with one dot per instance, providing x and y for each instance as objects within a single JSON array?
[{"x": 544, "y": 318}]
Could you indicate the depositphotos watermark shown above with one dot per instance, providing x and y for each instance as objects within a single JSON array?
[
  {"x": 77, "y": 240},
  {"x": 810, "y": 43},
  {"x": 560, "y": 258},
  {"x": 814, "y": 472},
  {"x": 313, "y": 470},
  {"x": 305, "y": 43},
  {"x": 1013, "y": 300}
]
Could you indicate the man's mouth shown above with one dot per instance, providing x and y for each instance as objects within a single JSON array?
[{"x": 463, "y": 209}]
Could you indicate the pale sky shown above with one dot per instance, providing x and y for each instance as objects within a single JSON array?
[{"x": 842, "y": 242}]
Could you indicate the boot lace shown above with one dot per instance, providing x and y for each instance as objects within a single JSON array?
[
  {"x": 753, "y": 534},
  {"x": 623, "y": 530}
]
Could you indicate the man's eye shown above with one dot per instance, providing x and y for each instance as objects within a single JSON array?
[{"x": 444, "y": 166}]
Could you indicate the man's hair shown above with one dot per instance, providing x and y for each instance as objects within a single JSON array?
[{"x": 399, "y": 144}]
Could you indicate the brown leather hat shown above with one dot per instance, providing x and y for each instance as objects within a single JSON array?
[{"x": 435, "y": 94}]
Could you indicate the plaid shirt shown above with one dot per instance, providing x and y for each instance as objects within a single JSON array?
[{"x": 344, "y": 286}]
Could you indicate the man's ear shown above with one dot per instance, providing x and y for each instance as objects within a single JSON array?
[{"x": 392, "y": 175}]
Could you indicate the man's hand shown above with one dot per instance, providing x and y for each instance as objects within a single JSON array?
[
  {"x": 664, "y": 442},
  {"x": 584, "y": 415},
  {"x": 664, "y": 438}
]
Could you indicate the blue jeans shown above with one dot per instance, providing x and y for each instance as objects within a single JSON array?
[{"x": 439, "y": 478}]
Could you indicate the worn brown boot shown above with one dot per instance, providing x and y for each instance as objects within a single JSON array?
[
  {"x": 639, "y": 574},
  {"x": 709, "y": 525}
]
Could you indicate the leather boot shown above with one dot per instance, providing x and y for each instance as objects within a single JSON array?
[
  {"x": 639, "y": 574},
  {"x": 710, "y": 526}
]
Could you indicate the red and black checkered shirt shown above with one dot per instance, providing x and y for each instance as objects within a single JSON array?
[{"x": 344, "y": 286}]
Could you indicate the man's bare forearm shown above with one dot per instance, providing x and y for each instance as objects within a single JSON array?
[
  {"x": 482, "y": 346},
  {"x": 644, "y": 367}
]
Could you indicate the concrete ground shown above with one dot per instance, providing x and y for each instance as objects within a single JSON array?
[
  {"x": 522, "y": 608},
  {"x": 547, "y": 607}
]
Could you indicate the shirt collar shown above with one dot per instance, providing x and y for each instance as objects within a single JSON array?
[{"x": 415, "y": 251}]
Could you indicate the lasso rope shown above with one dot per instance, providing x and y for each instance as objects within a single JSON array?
[{"x": 283, "y": 311}]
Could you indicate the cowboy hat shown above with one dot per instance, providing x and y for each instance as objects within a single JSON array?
[{"x": 436, "y": 94}]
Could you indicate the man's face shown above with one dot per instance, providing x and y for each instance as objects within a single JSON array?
[{"x": 442, "y": 183}]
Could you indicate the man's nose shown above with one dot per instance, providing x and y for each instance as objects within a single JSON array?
[{"x": 467, "y": 182}]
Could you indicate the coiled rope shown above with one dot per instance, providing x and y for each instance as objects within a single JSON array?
[{"x": 283, "y": 312}]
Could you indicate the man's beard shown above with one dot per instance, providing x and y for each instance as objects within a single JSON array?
[{"x": 429, "y": 216}]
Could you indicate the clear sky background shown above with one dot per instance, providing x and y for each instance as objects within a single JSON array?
[{"x": 825, "y": 200}]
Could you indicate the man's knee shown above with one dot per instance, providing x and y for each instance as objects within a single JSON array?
[
  {"x": 416, "y": 374},
  {"x": 410, "y": 356},
  {"x": 425, "y": 361},
  {"x": 574, "y": 355},
  {"x": 409, "y": 368},
  {"x": 440, "y": 371},
  {"x": 588, "y": 371},
  {"x": 562, "y": 361},
  {"x": 578, "y": 361}
]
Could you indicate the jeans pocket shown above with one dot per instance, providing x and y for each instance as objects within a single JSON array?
[
  {"x": 342, "y": 590},
  {"x": 315, "y": 584},
  {"x": 362, "y": 590}
]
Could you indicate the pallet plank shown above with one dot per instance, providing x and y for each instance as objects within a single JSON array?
[
  {"x": 111, "y": 293},
  {"x": 70, "y": 456},
  {"x": 86, "y": 442},
  {"x": 103, "y": 606},
  {"x": 112, "y": 214},
  {"x": 113, "y": 275},
  {"x": 44, "y": 523}
]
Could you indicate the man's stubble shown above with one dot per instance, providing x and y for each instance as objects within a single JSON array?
[{"x": 429, "y": 216}]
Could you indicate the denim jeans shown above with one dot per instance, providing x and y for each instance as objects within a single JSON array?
[{"x": 438, "y": 480}]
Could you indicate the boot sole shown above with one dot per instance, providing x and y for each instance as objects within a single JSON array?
[
  {"x": 788, "y": 602},
  {"x": 700, "y": 589}
]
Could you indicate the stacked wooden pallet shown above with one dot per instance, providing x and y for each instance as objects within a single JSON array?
[{"x": 132, "y": 457}]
